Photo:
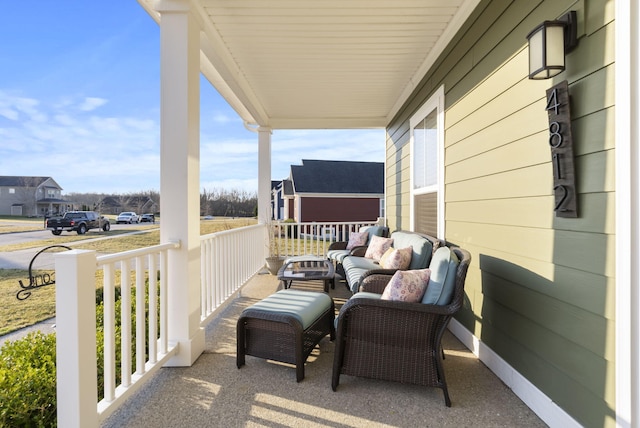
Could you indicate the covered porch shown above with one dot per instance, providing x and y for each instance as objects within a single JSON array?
[
  {"x": 213, "y": 392},
  {"x": 372, "y": 64}
]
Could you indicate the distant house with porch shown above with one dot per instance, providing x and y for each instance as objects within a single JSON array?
[
  {"x": 118, "y": 204},
  {"x": 326, "y": 191},
  {"x": 31, "y": 196}
]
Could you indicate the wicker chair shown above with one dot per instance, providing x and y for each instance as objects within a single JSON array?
[
  {"x": 337, "y": 251},
  {"x": 396, "y": 341}
]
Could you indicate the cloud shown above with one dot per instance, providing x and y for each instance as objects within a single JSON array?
[
  {"x": 82, "y": 151},
  {"x": 86, "y": 149},
  {"x": 92, "y": 103},
  {"x": 15, "y": 107}
]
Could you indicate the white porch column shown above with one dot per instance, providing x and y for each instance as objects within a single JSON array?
[
  {"x": 286, "y": 208},
  {"x": 627, "y": 127},
  {"x": 264, "y": 174},
  {"x": 76, "y": 338},
  {"x": 180, "y": 173}
]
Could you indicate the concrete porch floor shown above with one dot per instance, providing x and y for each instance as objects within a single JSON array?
[{"x": 214, "y": 393}]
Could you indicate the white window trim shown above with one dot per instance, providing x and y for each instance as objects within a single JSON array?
[{"x": 436, "y": 101}]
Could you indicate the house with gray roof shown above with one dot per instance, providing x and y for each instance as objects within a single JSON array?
[
  {"x": 326, "y": 191},
  {"x": 31, "y": 196}
]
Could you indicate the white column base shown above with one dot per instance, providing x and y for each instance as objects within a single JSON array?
[{"x": 188, "y": 350}]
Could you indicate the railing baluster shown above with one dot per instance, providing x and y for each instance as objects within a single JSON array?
[
  {"x": 108, "y": 299},
  {"x": 125, "y": 323},
  {"x": 140, "y": 318},
  {"x": 153, "y": 309},
  {"x": 164, "y": 310}
]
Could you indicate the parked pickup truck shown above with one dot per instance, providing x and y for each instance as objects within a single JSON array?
[{"x": 78, "y": 221}]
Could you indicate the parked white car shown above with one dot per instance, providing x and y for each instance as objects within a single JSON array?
[{"x": 127, "y": 217}]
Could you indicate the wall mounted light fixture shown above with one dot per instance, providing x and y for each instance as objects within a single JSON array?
[{"x": 549, "y": 42}]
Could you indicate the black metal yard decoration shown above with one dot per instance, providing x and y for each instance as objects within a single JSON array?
[{"x": 37, "y": 281}]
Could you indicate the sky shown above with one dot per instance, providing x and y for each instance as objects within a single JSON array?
[{"x": 80, "y": 102}]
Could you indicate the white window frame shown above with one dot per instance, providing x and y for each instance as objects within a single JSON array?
[{"x": 435, "y": 102}]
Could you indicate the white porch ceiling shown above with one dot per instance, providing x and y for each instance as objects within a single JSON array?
[{"x": 339, "y": 64}]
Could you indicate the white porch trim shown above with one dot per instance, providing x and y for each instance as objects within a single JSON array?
[
  {"x": 180, "y": 173},
  {"x": 264, "y": 174},
  {"x": 534, "y": 398},
  {"x": 627, "y": 116},
  {"x": 342, "y": 195}
]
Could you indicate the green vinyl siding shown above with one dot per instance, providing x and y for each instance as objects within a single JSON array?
[{"x": 540, "y": 288}]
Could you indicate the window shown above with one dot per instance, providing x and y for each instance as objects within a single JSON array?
[
  {"x": 12, "y": 191},
  {"x": 427, "y": 167}
]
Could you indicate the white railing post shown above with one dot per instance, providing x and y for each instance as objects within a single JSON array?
[{"x": 76, "y": 338}]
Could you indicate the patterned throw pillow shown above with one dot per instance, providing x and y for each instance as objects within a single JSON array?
[
  {"x": 377, "y": 247},
  {"x": 357, "y": 239},
  {"x": 396, "y": 258},
  {"x": 407, "y": 285}
]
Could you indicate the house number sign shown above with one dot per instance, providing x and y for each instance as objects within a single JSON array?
[{"x": 561, "y": 144}]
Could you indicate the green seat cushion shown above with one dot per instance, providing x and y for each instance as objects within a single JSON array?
[
  {"x": 306, "y": 306},
  {"x": 354, "y": 268},
  {"x": 366, "y": 295},
  {"x": 360, "y": 295},
  {"x": 337, "y": 255},
  {"x": 442, "y": 281}
]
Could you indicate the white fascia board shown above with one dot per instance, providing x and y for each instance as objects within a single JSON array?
[{"x": 341, "y": 195}]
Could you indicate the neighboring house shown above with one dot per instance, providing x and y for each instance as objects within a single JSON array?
[
  {"x": 277, "y": 201},
  {"x": 327, "y": 191},
  {"x": 118, "y": 204},
  {"x": 31, "y": 196}
]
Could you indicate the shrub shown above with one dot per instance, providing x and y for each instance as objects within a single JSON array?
[
  {"x": 28, "y": 381},
  {"x": 28, "y": 370}
]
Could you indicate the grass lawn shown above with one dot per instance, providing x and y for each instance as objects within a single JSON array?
[
  {"x": 9, "y": 224},
  {"x": 15, "y": 314}
]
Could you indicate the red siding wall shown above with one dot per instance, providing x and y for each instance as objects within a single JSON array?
[{"x": 339, "y": 209}]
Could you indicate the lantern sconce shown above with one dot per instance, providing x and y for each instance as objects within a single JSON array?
[{"x": 549, "y": 42}]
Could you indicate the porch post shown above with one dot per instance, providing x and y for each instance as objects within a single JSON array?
[
  {"x": 264, "y": 174},
  {"x": 180, "y": 173},
  {"x": 627, "y": 154},
  {"x": 76, "y": 339},
  {"x": 285, "y": 207}
]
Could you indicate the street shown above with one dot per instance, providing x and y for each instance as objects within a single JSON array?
[{"x": 20, "y": 259}]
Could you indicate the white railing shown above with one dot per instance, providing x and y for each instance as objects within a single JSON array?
[
  {"x": 138, "y": 274},
  {"x": 314, "y": 237},
  {"x": 228, "y": 260}
]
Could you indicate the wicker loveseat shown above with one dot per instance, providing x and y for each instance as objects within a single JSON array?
[
  {"x": 356, "y": 267},
  {"x": 394, "y": 340},
  {"x": 338, "y": 250}
]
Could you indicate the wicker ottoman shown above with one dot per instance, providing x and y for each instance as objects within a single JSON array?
[{"x": 285, "y": 327}]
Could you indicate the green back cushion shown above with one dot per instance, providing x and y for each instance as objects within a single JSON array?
[
  {"x": 442, "y": 281},
  {"x": 306, "y": 306},
  {"x": 374, "y": 231},
  {"x": 422, "y": 248}
]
